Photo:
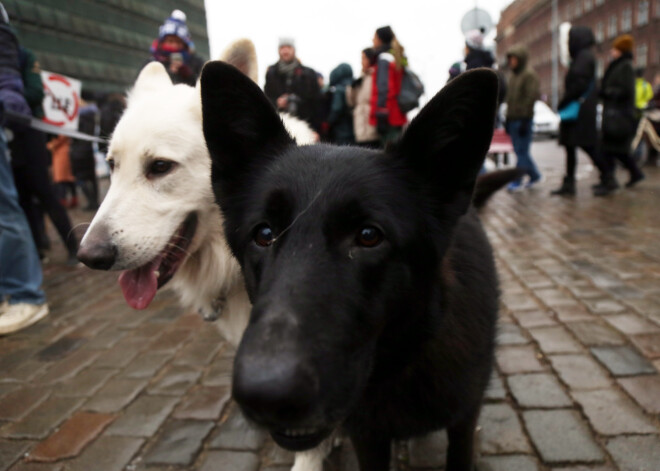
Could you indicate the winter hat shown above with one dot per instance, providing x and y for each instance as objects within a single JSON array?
[
  {"x": 385, "y": 34},
  {"x": 287, "y": 41},
  {"x": 175, "y": 25},
  {"x": 624, "y": 43},
  {"x": 474, "y": 39}
]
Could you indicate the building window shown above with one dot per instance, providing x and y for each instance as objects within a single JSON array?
[
  {"x": 611, "y": 27},
  {"x": 600, "y": 67},
  {"x": 600, "y": 32},
  {"x": 642, "y": 13},
  {"x": 657, "y": 9},
  {"x": 578, "y": 8},
  {"x": 599, "y": 2},
  {"x": 656, "y": 58},
  {"x": 641, "y": 55},
  {"x": 589, "y": 5},
  {"x": 626, "y": 20}
]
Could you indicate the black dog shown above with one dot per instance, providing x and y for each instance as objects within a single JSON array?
[{"x": 373, "y": 284}]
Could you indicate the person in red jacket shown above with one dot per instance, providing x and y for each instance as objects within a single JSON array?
[{"x": 390, "y": 63}]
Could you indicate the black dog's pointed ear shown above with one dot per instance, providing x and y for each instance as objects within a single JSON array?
[
  {"x": 447, "y": 141},
  {"x": 241, "y": 128}
]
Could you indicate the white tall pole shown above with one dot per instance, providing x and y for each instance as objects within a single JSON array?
[{"x": 555, "y": 55}]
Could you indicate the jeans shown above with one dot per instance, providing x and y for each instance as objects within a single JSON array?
[
  {"x": 20, "y": 269},
  {"x": 521, "y": 146}
]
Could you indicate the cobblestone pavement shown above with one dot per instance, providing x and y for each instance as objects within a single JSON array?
[{"x": 99, "y": 387}]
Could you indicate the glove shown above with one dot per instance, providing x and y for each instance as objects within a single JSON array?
[
  {"x": 525, "y": 128},
  {"x": 382, "y": 125}
]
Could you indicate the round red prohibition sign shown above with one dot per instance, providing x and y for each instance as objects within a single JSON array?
[{"x": 58, "y": 79}]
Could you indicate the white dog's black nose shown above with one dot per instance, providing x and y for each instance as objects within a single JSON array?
[{"x": 97, "y": 251}]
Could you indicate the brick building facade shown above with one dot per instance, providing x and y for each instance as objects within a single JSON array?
[{"x": 529, "y": 22}]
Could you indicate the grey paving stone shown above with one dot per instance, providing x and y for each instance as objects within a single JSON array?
[
  {"x": 528, "y": 319},
  {"x": 538, "y": 391},
  {"x": 518, "y": 359},
  {"x": 11, "y": 451},
  {"x": 645, "y": 390},
  {"x": 235, "y": 433},
  {"x": 580, "y": 371},
  {"x": 106, "y": 454},
  {"x": 276, "y": 455},
  {"x": 146, "y": 365},
  {"x": 632, "y": 324},
  {"x": 507, "y": 463},
  {"x": 495, "y": 390},
  {"x": 116, "y": 394},
  {"x": 230, "y": 460},
  {"x": 501, "y": 431},
  {"x": 175, "y": 380},
  {"x": 605, "y": 306},
  {"x": 143, "y": 417},
  {"x": 510, "y": 334},
  {"x": 622, "y": 360},
  {"x": 555, "y": 340},
  {"x": 612, "y": 413},
  {"x": 428, "y": 451},
  {"x": 594, "y": 333},
  {"x": 561, "y": 436},
  {"x": 86, "y": 383},
  {"x": 179, "y": 442},
  {"x": 635, "y": 453},
  {"x": 43, "y": 419}
]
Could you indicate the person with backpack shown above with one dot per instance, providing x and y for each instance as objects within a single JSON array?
[
  {"x": 340, "y": 117},
  {"x": 358, "y": 97},
  {"x": 385, "y": 112}
]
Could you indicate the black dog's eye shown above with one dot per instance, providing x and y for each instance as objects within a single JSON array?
[
  {"x": 370, "y": 236},
  {"x": 159, "y": 167},
  {"x": 264, "y": 235}
]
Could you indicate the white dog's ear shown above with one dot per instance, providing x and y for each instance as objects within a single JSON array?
[{"x": 152, "y": 77}]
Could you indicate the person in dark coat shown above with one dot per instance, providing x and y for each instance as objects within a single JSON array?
[
  {"x": 83, "y": 164},
  {"x": 618, "y": 128},
  {"x": 340, "y": 117},
  {"x": 579, "y": 84},
  {"x": 293, "y": 87}
]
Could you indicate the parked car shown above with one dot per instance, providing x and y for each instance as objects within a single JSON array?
[{"x": 546, "y": 121}]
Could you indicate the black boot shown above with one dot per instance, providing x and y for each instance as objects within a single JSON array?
[
  {"x": 567, "y": 187},
  {"x": 608, "y": 186}
]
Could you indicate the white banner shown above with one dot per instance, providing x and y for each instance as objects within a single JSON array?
[{"x": 61, "y": 100}]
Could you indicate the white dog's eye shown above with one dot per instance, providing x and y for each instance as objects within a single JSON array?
[
  {"x": 159, "y": 167},
  {"x": 111, "y": 164}
]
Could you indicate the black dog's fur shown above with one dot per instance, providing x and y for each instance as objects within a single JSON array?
[{"x": 374, "y": 289}]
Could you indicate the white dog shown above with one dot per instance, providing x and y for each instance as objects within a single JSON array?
[{"x": 159, "y": 222}]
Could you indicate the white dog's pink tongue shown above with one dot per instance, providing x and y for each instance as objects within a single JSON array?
[{"x": 139, "y": 286}]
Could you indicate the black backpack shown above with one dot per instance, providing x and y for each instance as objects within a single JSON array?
[{"x": 411, "y": 89}]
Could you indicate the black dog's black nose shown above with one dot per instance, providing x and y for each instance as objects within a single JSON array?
[
  {"x": 99, "y": 255},
  {"x": 274, "y": 390}
]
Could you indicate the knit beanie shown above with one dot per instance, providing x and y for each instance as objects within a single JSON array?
[
  {"x": 624, "y": 43},
  {"x": 385, "y": 34},
  {"x": 474, "y": 39},
  {"x": 287, "y": 41},
  {"x": 175, "y": 25}
]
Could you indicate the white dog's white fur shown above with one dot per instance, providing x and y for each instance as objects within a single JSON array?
[{"x": 140, "y": 215}]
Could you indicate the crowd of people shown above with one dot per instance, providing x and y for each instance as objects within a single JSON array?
[{"x": 46, "y": 172}]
